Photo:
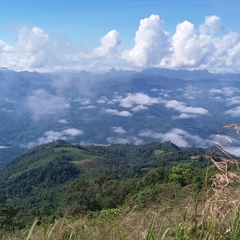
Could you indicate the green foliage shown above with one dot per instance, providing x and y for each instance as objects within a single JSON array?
[
  {"x": 155, "y": 175},
  {"x": 7, "y": 214},
  {"x": 110, "y": 214},
  {"x": 82, "y": 196},
  {"x": 148, "y": 196},
  {"x": 181, "y": 174},
  {"x": 55, "y": 177}
]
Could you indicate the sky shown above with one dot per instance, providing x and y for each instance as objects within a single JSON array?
[{"x": 95, "y": 35}]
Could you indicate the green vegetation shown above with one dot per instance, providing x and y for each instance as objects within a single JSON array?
[{"x": 150, "y": 191}]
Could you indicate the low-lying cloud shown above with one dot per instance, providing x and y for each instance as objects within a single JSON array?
[
  {"x": 119, "y": 130},
  {"x": 177, "y": 136},
  {"x": 182, "y": 108},
  {"x": 51, "y": 136},
  {"x": 133, "y": 99},
  {"x": 226, "y": 91},
  {"x": 116, "y": 112},
  {"x": 127, "y": 140},
  {"x": 42, "y": 104},
  {"x": 234, "y": 112}
]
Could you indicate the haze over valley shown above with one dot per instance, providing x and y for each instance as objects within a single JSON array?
[{"x": 116, "y": 107}]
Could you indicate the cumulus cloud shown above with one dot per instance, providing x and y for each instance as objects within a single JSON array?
[
  {"x": 189, "y": 47},
  {"x": 206, "y": 46},
  {"x": 51, "y": 136},
  {"x": 63, "y": 121},
  {"x": 184, "y": 116},
  {"x": 230, "y": 95},
  {"x": 182, "y": 108},
  {"x": 138, "y": 99},
  {"x": 73, "y": 132},
  {"x": 215, "y": 91},
  {"x": 204, "y": 50},
  {"x": 177, "y": 136},
  {"x": 5, "y": 48},
  {"x": 102, "y": 100},
  {"x": 118, "y": 130},
  {"x": 139, "y": 108},
  {"x": 32, "y": 50},
  {"x": 116, "y": 112},
  {"x": 226, "y": 91},
  {"x": 43, "y": 104},
  {"x": 108, "y": 45},
  {"x": 234, "y": 112},
  {"x": 88, "y": 107},
  {"x": 83, "y": 101},
  {"x": 211, "y": 25},
  {"x": 151, "y": 43},
  {"x": 233, "y": 100}
]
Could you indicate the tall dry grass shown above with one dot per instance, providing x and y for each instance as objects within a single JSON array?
[{"x": 219, "y": 210}]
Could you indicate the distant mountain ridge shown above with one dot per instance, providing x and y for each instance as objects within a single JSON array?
[{"x": 185, "y": 107}]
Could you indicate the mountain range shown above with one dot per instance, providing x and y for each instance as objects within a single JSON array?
[{"x": 129, "y": 107}]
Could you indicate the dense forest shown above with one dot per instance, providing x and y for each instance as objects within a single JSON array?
[{"x": 58, "y": 177}]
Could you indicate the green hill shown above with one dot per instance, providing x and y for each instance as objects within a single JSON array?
[{"x": 55, "y": 177}]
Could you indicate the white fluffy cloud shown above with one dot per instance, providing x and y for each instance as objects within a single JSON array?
[
  {"x": 212, "y": 24},
  {"x": 139, "y": 108},
  {"x": 108, "y": 45},
  {"x": 177, "y": 136},
  {"x": 63, "y": 121},
  {"x": 83, "y": 101},
  {"x": 136, "y": 101},
  {"x": 32, "y": 50},
  {"x": 226, "y": 91},
  {"x": 118, "y": 130},
  {"x": 102, "y": 100},
  {"x": 142, "y": 99},
  {"x": 51, "y": 136},
  {"x": 189, "y": 47},
  {"x": 184, "y": 116},
  {"x": 207, "y": 46},
  {"x": 233, "y": 100},
  {"x": 151, "y": 43},
  {"x": 88, "y": 107},
  {"x": 234, "y": 112},
  {"x": 116, "y": 112},
  {"x": 182, "y": 108},
  {"x": 42, "y": 104}
]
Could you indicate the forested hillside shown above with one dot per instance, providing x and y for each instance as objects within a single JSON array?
[{"x": 57, "y": 177}]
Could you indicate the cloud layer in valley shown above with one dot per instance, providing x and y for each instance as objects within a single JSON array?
[
  {"x": 42, "y": 104},
  {"x": 207, "y": 46},
  {"x": 178, "y": 136},
  {"x": 51, "y": 136}
]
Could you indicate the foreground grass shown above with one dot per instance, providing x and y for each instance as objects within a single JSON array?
[{"x": 179, "y": 219}]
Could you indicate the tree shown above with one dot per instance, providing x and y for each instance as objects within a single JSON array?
[
  {"x": 7, "y": 213},
  {"x": 181, "y": 174}
]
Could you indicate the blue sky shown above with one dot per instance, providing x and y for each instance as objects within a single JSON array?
[{"x": 35, "y": 35}]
